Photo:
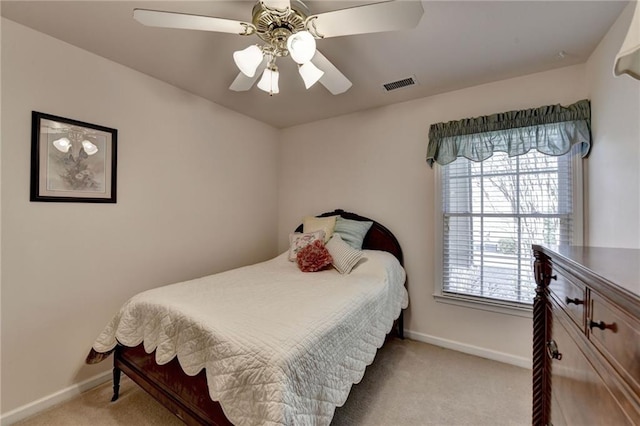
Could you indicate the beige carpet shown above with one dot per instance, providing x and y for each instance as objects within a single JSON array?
[{"x": 410, "y": 383}]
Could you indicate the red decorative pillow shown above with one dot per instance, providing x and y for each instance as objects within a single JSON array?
[{"x": 313, "y": 257}]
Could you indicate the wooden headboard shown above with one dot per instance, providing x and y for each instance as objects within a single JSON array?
[{"x": 378, "y": 237}]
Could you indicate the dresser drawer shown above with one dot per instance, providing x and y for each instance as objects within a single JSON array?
[
  {"x": 557, "y": 417},
  {"x": 587, "y": 374},
  {"x": 571, "y": 296},
  {"x": 580, "y": 396},
  {"x": 619, "y": 342}
]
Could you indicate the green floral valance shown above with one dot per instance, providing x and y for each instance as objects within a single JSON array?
[{"x": 552, "y": 130}]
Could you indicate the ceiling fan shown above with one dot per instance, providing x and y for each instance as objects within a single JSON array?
[{"x": 287, "y": 28}]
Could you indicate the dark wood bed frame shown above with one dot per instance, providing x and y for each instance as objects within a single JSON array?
[{"x": 188, "y": 396}]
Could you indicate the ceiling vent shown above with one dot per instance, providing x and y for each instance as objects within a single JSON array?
[{"x": 405, "y": 82}]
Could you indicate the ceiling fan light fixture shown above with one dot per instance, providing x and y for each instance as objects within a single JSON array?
[
  {"x": 310, "y": 74},
  {"x": 247, "y": 60},
  {"x": 288, "y": 28},
  {"x": 269, "y": 81},
  {"x": 301, "y": 46}
]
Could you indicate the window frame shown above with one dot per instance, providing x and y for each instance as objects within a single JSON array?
[{"x": 492, "y": 305}]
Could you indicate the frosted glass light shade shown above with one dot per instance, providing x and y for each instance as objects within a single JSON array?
[
  {"x": 247, "y": 60},
  {"x": 628, "y": 59},
  {"x": 89, "y": 147},
  {"x": 301, "y": 46},
  {"x": 310, "y": 74},
  {"x": 269, "y": 81},
  {"x": 62, "y": 145}
]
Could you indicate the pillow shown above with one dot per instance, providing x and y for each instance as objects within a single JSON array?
[
  {"x": 352, "y": 231},
  {"x": 327, "y": 224},
  {"x": 299, "y": 240},
  {"x": 313, "y": 257},
  {"x": 344, "y": 256}
]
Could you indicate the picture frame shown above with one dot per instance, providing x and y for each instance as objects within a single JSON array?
[{"x": 72, "y": 161}]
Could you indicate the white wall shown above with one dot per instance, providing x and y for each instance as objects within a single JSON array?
[
  {"x": 192, "y": 175},
  {"x": 197, "y": 194},
  {"x": 373, "y": 163},
  {"x": 613, "y": 200}
]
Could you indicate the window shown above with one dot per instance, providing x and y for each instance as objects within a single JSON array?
[
  {"x": 506, "y": 181},
  {"x": 492, "y": 211}
]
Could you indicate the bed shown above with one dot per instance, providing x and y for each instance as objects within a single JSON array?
[{"x": 280, "y": 347}]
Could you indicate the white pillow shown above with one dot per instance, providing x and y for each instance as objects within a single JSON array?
[
  {"x": 344, "y": 256},
  {"x": 298, "y": 240}
]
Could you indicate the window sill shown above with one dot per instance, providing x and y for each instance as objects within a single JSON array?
[{"x": 505, "y": 308}]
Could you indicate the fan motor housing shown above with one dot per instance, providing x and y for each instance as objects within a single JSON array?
[{"x": 274, "y": 26}]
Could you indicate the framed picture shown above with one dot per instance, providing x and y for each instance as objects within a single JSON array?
[{"x": 72, "y": 161}]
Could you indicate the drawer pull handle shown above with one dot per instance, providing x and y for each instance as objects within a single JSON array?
[
  {"x": 552, "y": 350},
  {"x": 602, "y": 326},
  {"x": 575, "y": 301}
]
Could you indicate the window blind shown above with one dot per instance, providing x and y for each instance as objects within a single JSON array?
[{"x": 493, "y": 211}]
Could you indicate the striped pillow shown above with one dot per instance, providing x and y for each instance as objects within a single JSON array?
[{"x": 344, "y": 256}]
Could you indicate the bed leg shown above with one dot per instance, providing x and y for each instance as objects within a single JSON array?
[
  {"x": 116, "y": 383},
  {"x": 401, "y": 325}
]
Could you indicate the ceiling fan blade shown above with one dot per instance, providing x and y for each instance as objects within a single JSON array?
[
  {"x": 370, "y": 18},
  {"x": 242, "y": 83},
  {"x": 333, "y": 79},
  {"x": 156, "y": 18},
  {"x": 277, "y": 4}
]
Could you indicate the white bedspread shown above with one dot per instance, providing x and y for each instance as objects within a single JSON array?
[{"x": 279, "y": 346}]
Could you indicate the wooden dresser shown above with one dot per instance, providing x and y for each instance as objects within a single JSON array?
[{"x": 586, "y": 336}]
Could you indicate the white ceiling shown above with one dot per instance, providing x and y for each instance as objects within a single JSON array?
[{"x": 457, "y": 44}]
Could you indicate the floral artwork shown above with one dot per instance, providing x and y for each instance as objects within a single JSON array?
[
  {"x": 72, "y": 160},
  {"x": 75, "y": 169}
]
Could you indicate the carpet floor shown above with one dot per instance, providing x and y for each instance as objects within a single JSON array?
[{"x": 409, "y": 383}]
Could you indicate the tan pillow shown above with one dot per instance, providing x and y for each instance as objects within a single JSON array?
[{"x": 326, "y": 224}]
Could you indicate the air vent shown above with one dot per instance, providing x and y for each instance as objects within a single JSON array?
[{"x": 409, "y": 81}]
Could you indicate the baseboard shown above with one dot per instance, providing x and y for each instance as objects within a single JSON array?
[
  {"x": 470, "y": 349},
  {"x": 56, "y": 398}
]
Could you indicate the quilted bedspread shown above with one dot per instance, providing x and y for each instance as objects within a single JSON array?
[{"x": 280, "y": 346}]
